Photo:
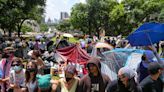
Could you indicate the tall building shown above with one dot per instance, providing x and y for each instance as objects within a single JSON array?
[
  {"x": 64, "y": 15},
  {"x": 55, "y": 20},
  {"x": 49, "y": 21}
]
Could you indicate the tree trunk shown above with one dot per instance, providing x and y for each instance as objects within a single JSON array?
[
  {"x": 89, "y": 28},
  {"x": 20, "y": 26},
  {"x": 19, "y": 30},
  {"x": 98, "y": 32},
  {"x": 4, "y": 31},
  {"x": 10, "y": 33}
]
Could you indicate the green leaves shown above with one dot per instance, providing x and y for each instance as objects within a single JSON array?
[
  {"x": 43, "y": 27},
  {"x": 117, "y": 12},
  {"x": 113, "y": 17},
  {"x": 64, "y": 25},
  {"x": 26, "y": 29},
  {"x": 14, "y": 12}
]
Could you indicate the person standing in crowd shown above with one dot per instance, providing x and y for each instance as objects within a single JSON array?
[
  {"x": 89, "y": 47},
  {"x": 157, "y": 47},
  {"x": 83, "y": 44},
  {"x": 67, "y": 84},
  {"x": 1, "y": 47},
  {"x": 108, "y": 40},
  {"x": 36, "y": 44},
  {"x": 17, "y": 76},
  {"x": 113, "y": 42},
  {"x": 162, "y": 47},
  {"x": 26, "y": 49},
  {"x": 142, "y": 68},
  {"x": 5, "y": 65},
  {"x": 31, "y": 44},
  {"x": 153, "y": 82},
  {"x": 63, "y": 43},
  {"x": 31, "y": 72},
  {"x": 38, "y": 60},
  {"x": 57, "y": 40},
  {"x": 125, "y": 83},
  {"x": 95, "y": 81},
  {"x": 18, "y": 47}
]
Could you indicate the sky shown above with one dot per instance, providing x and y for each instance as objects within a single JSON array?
[{"x": 54, "y": 7}]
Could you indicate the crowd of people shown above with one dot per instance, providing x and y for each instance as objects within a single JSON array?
[{"x": 23, "y": 69}]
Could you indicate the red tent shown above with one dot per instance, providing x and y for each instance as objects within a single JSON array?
[{"x": 74, "y": 54}]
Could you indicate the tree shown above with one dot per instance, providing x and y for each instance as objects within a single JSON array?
[
  {"x": 79, "y": 17},
  {"x": 64, "y": 25},
  {"x": 93, "y": 16},
  {"x": 15, "y": 12},
  {"x": 43, "y": 27},
  {"x": 26, "y": 29},
  {"x": 140, "y": 11},
  {"x": 114, "y": 17}
]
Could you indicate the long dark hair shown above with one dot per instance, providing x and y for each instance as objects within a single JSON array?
[
  {"x": 27, "y": 73},
  {"x": 132, "y": 85}
]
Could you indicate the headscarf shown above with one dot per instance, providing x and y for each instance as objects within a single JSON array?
[
  {"x": 128, "y": 72},
  {"x": 71, "y": 69},
  {"x": 149, "y": 55}
]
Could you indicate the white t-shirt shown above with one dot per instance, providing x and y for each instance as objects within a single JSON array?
[
  {"x": 31, "y": 86},
  {"x": 18, "y": 79}
]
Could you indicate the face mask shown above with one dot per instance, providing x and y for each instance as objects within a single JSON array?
[
  {"x": 31, "y": 70},
  {"x": 68, "y": 79},
  {"x": 17, "y": 68}
]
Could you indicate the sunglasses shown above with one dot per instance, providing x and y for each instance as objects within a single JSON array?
[{"x": 15, "y": 65}]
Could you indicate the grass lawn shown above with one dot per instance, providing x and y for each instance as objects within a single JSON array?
[{"x": 72, "y": 40}]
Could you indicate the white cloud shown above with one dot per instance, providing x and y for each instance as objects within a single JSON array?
[
  {"x": 83, "y": 1},
  {"x": 65, "y": 2}
]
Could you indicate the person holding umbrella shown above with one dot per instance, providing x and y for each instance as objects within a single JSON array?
[
  {"x": 147, "y": 35},
  {"x": 142, "y": 68}
]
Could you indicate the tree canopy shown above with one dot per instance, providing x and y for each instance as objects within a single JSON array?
[
  {"x": 114, "y": 17},
  {"x": 14, "y": 12}
]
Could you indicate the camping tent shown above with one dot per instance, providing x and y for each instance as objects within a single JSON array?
[{"x": 74, "y": 54}]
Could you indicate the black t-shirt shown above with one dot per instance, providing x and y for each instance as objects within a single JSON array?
[
  {"x": 149, "y": 85},
  {"x": 95, "y": 85}
]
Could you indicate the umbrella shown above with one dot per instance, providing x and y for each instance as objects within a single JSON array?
[
  {"x": 147, "y": 34},
  {"x": 30, "y": 53},
  {"x": 38, "y": 36},
  {"x": 103, "y": 45},
  {"x": 68, "y": 35},
  {"x": 117, "y": 58},
  {"x": 50, "y": 35}
]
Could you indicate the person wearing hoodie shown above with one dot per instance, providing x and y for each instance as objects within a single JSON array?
[
  {"x": 142, "y": 68},
  {"x": 94, "y": 81},
  {"x": 125, "y": 83}
]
